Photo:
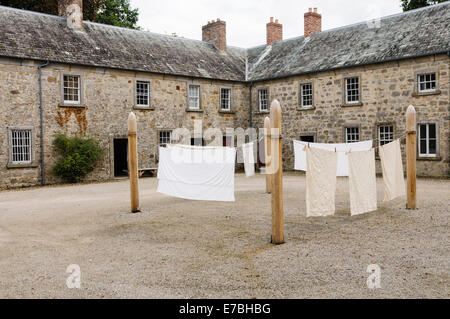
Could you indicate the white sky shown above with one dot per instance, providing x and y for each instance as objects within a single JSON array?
[{"x": 246, "y": 19}]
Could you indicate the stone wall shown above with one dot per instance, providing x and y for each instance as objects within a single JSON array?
[{"x": 387, "y": 90}]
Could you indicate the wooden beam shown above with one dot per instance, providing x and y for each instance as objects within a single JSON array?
[
  {"x": 267, "y": 146},
  {"x": 411, "y": 154},
  {"x": 133, "y": 163}
]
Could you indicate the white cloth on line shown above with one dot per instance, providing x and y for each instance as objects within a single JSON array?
[
  {"x": 197, "y": 173},
  {"x": 392, "y": 167},
  {"x": 341, "y": 149},
  {"x": 362, "y": 182},
  {"x": 249, "y": 159},
  {"x": 320, "y": 182}
]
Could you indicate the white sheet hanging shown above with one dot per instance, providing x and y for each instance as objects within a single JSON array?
[
  {"x": 392, "y": 167},
  {"x": 249, "y": 159},
  {"x": 341, "y": 149},
  {"x": 320, "y": 182},
  {"x": 362, "y": 182},
  {"x": 197, "y": 173}
]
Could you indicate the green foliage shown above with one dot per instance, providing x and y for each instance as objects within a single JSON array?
[
  {"x": 415, "y": 4},
  {"x": 113, "y": 12},
  {"x": 78, "y": 157},
  {"x": 118, "y": 13}
]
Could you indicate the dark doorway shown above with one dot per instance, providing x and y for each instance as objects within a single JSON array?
[
  {"x": 120, "y": 157},
  {"x": 307, "y": 138}
]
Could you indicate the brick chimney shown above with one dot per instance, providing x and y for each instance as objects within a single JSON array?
[
  {"x": 215, "y": 32},
  {"x": 313, "y": 22},
  {"x": 73, "y": 10},
  {"x": 274, "y": 31}
]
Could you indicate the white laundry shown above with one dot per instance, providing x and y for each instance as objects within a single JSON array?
[
  {"x": 249, "y": 159},
  {"x": 392, "y": 167},
  {"x": 362, "y": 182},
  {"x": 341, "y": 149},
  {"x": 197, "y": 173},
  {"x": 320, "y": 182}
]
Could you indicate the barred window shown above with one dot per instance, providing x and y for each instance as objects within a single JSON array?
[
  {"x": 352, "y": 90},
  {"x": 165, "y": 137},
  {"x": 225, "y": 99},
  {"x": 194, "y": 97},
  {"x": 426, "y": 82},
  {"x": 21, "y": 146},
  {"x": 385, "y": 134},
  {"x": 351, "y": 134},
  {"x": 142, "y": 93},
  {"x": 263, "y": 97},
  {"x": 71, "y": 89},
  {"x": 427, "y": 140},
  {"x": 306, "y": 95}
]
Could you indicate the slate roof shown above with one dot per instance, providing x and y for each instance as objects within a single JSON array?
[{"x": 30, "y": 35}]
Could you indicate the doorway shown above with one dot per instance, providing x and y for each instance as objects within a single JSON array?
[{"x": 120, "y": 157}]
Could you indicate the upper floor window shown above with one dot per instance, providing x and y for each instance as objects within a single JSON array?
[
  {"x": 20, "y": 148},
  {"x": 427, "y": 139},
  {"x": 194, "y": 97},
  {"x": 225, "y": 99},
  {"x": 72, "y": 89},
  {"x": 306, "y": 95},
  {"x": 143, "y": 93},
  {"x": 263, "y": 98},
  {"x": 426, "y": 83},
  {"x": 165, "y": 137},
  {"x": 351, "y": 134},
  {"x": 352, "y": 87},
  {"x": 385, "y": 134}
]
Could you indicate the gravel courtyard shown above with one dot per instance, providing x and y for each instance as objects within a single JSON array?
[{"x": 187, "y": 249}]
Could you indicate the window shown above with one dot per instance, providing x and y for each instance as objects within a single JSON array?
[
  {"x": 72, "y": 89},
  {"x": 263, "y": 98},
  {"x": 352, "y": 90},
  {"x": 426, "y": 83},
  {"x": 427, "y": 139},
  {"x": 385, "y": 134},
  {"x": 307, "y": 138},
  {"x": 20, "y": 146},
  {"x": 165, "y": 137},
  {"x": 143, "y": 93},
  {"x": 306, "y": 95},
  {"x": 194, "y": 97},
  {"x": 351, "y": 134},
  {"x": 227, "y": 141},
  {"x": 225, "y": 99},
  {"x": 197, "y": 141}
]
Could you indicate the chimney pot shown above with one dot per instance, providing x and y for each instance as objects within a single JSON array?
[
  {"x": 271, "y": 19},
  {"x": 274, "y": 31},
  {"x": 276, "y": 20},
  {"x": 313, "y": 22}
]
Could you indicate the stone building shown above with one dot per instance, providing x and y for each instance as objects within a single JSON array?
[{"x": 63, "y": 74}]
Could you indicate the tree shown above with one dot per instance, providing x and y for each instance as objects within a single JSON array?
[
  {"x": 113, "y": 12},
  {"x": 414, "y": 4}
]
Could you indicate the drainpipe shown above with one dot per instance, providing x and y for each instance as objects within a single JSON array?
[{"x": 40, "y": 67}]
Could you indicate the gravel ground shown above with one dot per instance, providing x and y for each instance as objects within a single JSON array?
[{"x": 189, "y": 249}]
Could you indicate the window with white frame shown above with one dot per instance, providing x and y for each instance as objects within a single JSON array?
[
  {"x": 263, "y": 98},
  {"x": 194, "y": 97},
  {"x": 72, "y": 89},
  {"x": 165, "y": 137},
  {"x": 426, "y": 82},
  {"x": 351, "y": 134},
  {"x": 306, "y": 91},
  {"x": 385, "y": 134},
  {"x": 143, "y": 93},
  {"x": 20, "y": 146},
  {"x": 352, "y": 90},
  {"x": 225, "y": 99},
  {"x": 427, "y": 139}
]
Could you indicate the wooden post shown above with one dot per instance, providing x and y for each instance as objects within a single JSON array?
[
  {"x": 276, "y": 165},
  {"x": 267, "y": 146},
  {"x": 411, "y": 149},
  {"x": 133, "y": 162}
]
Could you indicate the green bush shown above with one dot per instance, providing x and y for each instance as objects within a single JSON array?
[{"x": 78, "y": 157}]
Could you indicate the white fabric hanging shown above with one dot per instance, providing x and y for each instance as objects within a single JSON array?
[
  {"x": 249, "y": 159},
  {"x": 362, "y": 182},
  {"x": 341, "y": 149},
  {"x": 320, "y": 182},
  {"x": 197, "y": 173},
  {"x": 392, "y": 167}
]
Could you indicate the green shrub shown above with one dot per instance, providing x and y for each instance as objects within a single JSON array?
[{"x": 77, "y": 157}]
